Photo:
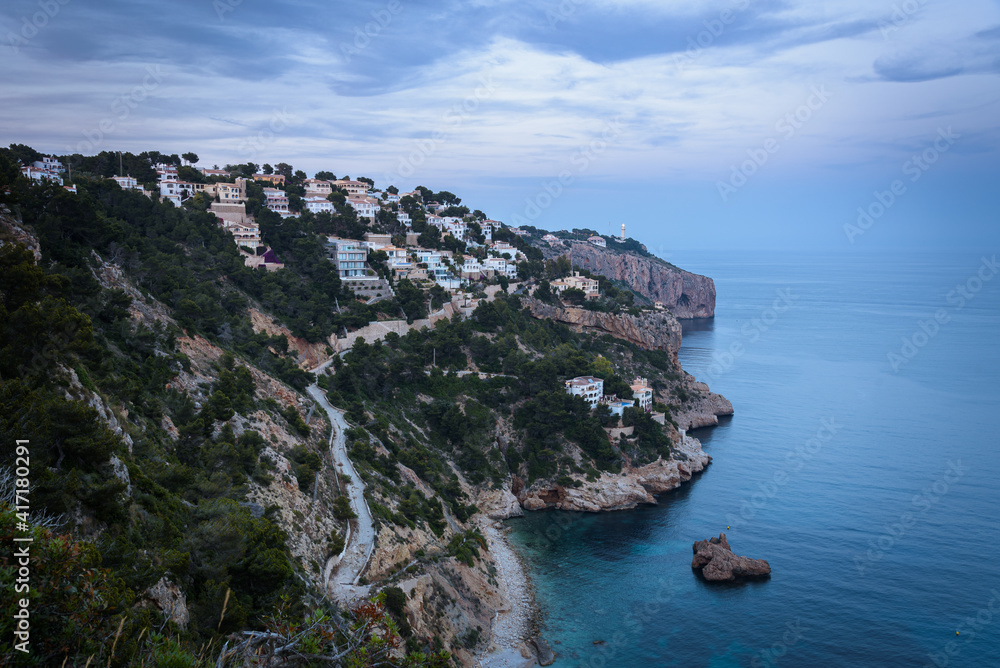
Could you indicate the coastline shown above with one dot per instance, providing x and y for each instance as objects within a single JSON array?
[{"x": 512, "y": 627}]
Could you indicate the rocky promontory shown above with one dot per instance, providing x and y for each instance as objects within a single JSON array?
[
  {"x": 685, "y": 294},
  {"x": 655, "y": 330},
  {"x": 717, "y": 563},
  {"x": 614, "y": 491}
]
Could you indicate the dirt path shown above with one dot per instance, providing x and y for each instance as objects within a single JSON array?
[{"x": 344, "y": 584}]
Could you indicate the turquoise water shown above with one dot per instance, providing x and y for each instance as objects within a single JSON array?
[{"x": 872, "y": 491}]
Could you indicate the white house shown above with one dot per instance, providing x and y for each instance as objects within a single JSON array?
[
  {"x": 588, "y": 387},
  {"x": 365, "y": 206},
  {"x": 178, "y": 191},
  {"x": 246, "y": 235},
  {"x": 127, "y": 182},
  {"x": 589, "y": 286},
  {"x": 318, "y": 204},
  {"x": 277, "y": 201},
  {"x": 350, "y": 257},
  {"x": 50, "y": 163},
  {"x": 39, "y": 175},
  {"x": 598, "y": 241},
  {"x": 353, "y": 188},
  {"x": 166, "y": 172},
  {"x": 472, "y": 268},
  {"x": 501, "y": 266},
  {"x": 317, "y": 187},
  {"x": 642, "y": 393}
]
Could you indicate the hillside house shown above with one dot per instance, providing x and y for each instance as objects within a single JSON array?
[{"x": 588, "y": 387}]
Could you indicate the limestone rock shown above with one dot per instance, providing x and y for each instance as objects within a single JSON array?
[
  {"x": 499, "y": 504},
  {"x": 170, "y": 599},
  {"x": 121, "y": 472},
  {"x": 717, "y": 563},
  {"x": 687, "y": 295},
  {"x": 653, "y": 331},
  {"x": 543, "y": 652},
  {"x": 623, "y": 491}
]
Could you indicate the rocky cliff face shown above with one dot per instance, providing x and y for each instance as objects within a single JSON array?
[
  {"x": 699, "y": 406},
  {"x": 687, "y": 295},
  {"x": 619, "y": 491},
  {"x": 658, "y": 330}
]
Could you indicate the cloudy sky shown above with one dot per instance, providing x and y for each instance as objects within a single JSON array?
[{"x": 699, "y": 124}]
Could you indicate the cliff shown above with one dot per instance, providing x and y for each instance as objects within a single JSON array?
[
  {"x": 694, "y": 405},
  {"x": 653, "y": 331},
  {"x": 687, "y": 295},
  {"x": 611, "y": 491}
]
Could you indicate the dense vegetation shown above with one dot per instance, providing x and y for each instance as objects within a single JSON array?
[
  {"x": 145, "y": 505},
  {"x": 425, "y": 414},
  {"x": 148, "y": 502}
]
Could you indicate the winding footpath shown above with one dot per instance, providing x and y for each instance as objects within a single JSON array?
[{"x": 361, "y": 535}]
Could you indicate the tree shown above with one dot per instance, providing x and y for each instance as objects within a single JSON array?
[
  {"x": 543, "y": 292},
  {"x": 573, "y": 296},
  {"x": 192, "y": 158},
  {"x": 268, "y": 169},
  {"x": 324, "y": 175},
  {"x": 284, "y": 168}
]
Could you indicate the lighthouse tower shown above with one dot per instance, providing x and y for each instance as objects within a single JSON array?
[{"x": 623, "y": 231}]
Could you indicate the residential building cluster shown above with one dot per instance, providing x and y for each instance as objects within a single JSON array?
[
  {"x": 589, "y": 286},
  {"x": 591, "y": 389},
  {"x": 227, "y": 196}
]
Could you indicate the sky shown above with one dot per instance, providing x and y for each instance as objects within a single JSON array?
[{"x": 843, "y": 125}]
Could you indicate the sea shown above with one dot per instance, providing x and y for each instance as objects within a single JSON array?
[{"x": 861, "y": 462}]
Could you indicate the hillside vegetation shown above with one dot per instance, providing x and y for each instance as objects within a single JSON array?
[{"x": 172, "y": 448}]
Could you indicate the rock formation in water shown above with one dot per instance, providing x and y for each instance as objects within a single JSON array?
[
  {"x": 687, "y": 295},
  {"x": 717, "y": 563}
]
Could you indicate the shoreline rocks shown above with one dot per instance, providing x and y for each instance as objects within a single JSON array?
[
  {"x": 716, "y": 562},
  {"x": 622, "y": 491}
]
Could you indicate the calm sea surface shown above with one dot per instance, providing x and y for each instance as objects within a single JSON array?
[{"x": 873, "y": 492}]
